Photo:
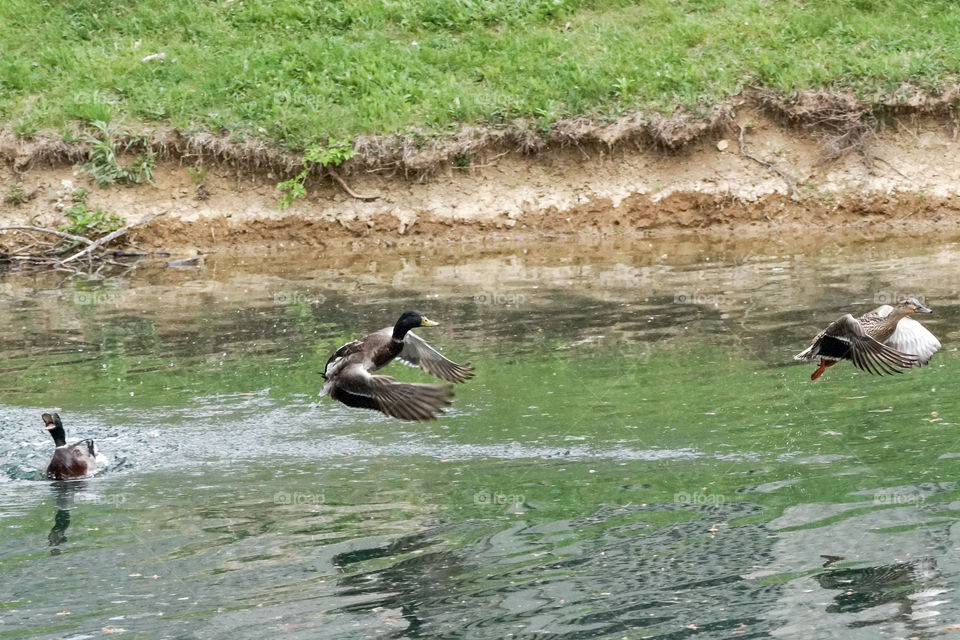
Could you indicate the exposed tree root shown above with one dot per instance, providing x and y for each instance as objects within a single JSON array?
[
  {"x": 844, "y": 124},
  {"x": 347, "y": 188}
]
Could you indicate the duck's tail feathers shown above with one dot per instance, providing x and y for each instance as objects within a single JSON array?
[{"x": 806, "y": 354}]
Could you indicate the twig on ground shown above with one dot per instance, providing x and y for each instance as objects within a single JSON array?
[
  {"x": 489, "y": 162},
  {"x": 111, "y": 237},
  {"x": 347, "y": 188},
  {"x": 783, "y": 174},
  {"x": 24, "y": 249},
  {"x": 68, "y": 236},
  {"x": 40, "y": 253},
  {"x": 897, "y": 171},
  {"x": 908, "y": 130},
  {"x": 119, "y": 264},
  {"x": 390, "y": 166}
]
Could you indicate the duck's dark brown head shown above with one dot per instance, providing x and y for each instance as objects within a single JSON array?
[
  {"x": 55, "y": 427},
  {"x": 410, "y": 320},
  {"x": 912, "y": 305}
]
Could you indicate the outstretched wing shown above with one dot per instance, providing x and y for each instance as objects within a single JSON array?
[
  {"x": 418, "y": 353},
  {"x": 342, "y": 352},
  {"x": 845, "y": 339},
  {"x": 913, "y": 338},
  {"x": 84, "y": 446},
  {"x": 356, "y": 387}
]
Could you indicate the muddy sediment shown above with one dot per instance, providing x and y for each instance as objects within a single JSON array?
[{"x": 756, "y": 170}]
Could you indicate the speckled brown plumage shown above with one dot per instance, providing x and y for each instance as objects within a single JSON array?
[{"x": 882, "y": 341}]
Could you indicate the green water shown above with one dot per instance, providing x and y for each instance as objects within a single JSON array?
[{"x": 638, "y": 456}]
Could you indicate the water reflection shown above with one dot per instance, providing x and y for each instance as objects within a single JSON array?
[
  {"x": 63, "y": 492},
  {"x": 867, "y": 587},
  {"x": 590, "y": 577}
]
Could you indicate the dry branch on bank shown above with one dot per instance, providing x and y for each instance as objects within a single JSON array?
[
  {"x": 769, "y": 165},
  {"x": 91, "y": 256}
]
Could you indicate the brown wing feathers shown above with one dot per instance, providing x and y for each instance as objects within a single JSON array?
[
  {"x": 356, "y": 387},
  {"x": 418, "y": 353},
  {"x": 410, "y": 401},
  {"x": 866, "y": 353}
]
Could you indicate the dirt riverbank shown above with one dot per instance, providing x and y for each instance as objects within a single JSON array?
[{"x": 779, "y": 178}]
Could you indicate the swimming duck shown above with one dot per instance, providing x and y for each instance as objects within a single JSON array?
[
  {"x": 70, "y": 461},
  {"x": 348, "y": 378},
  {"x": 880, "y": 341}
]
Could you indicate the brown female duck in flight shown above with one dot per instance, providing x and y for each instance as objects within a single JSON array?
[
  {"x": 882, "y": 341},
  {"x": 349, "y": 380}
]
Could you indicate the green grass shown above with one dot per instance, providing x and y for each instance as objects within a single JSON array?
[
  {"x": 104, "y": 164},
  {"x": 298, "y": 73}
]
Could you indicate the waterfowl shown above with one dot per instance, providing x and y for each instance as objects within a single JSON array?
[
  {"x": 884, "y": 340},
  {"x": 349, "y": 380},
  {"x": 70, "y": 461}
]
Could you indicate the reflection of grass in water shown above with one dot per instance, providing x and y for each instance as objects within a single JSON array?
[
  {"x": 918, "y": 525},
  {"x": 814, "y": 419},
  {"x": 37, "y": 630}
]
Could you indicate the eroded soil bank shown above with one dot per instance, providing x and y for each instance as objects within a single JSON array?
[{"x": 903, "y": 177}]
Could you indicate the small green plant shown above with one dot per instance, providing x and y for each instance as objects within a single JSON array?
[
  {"x": 87, "y": 223},
  {"x": 15, "y": 194},
  {"x": 198, "y": 174},
  {"x": 104, "y": 164},
  {"x": 25, "y": 128},
  {"x": 334, "y": 154}
]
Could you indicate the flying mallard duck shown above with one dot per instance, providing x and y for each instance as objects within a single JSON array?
[
  {"x": 348, "y": 378},
  {"x": 70, "y": 461},
  {"x": 877, "y": 342}
]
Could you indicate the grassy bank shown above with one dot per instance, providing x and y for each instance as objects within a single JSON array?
[{"x": 296, "y": 72}]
